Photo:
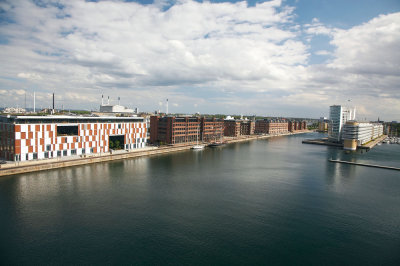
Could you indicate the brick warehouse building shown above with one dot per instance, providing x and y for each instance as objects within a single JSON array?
[
  {"x": 235, "y": 128},
  {"x": 267, "y": 126},
  {"x": 231, "y": 128},
  {"x": 174, "y": 130},
  {"x": 24, "y": 138},
  {"x": 297, "y": 125},
  {"x": 212, "y": 129}
]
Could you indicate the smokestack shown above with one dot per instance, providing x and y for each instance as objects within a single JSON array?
[
  {"x": 108, "y": 100},
  {"x": 167, "y": 108},
  {"x": 53, "y": 102},
  {"x": 102, "y": 97},
  {"x": 34, "y": 102}
]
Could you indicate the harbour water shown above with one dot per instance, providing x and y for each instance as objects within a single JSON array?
[{"x": 272, "y": 201}]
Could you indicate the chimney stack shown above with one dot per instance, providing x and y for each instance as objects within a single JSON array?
[{"x": 53, "y": 102}]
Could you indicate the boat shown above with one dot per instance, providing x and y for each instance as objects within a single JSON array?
[
  {"x": 215, "y": 144},
  {"x": 197, "y": 146}
]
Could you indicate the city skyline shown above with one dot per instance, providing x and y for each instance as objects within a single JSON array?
[{"x": 274, "y": 58}]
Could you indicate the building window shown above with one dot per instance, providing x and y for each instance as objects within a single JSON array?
[
  {"x": 35, "y": 156},
  {"x": 119, "y": 126},
  {"x": 67, "y": 130},
  {"x": 73, "y": 152},
  {"x": 91, "y": 150},
  {"x": 46, "y": 155},
  {"x": 58, "y": 153},
  {"x": 65, "y": 152},
  {"x": 83, "y": 151},
  {"x": 48, "y": 147},
  {"x": 26, "y": 157}
]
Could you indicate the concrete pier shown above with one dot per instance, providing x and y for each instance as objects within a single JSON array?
[
  {"x": 373, "y": 143},
  {"x": 366, "y": 164},
  {"x": 325, "y": 141}
]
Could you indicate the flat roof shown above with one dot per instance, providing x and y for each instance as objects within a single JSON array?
[{"x": 65, "y": 118}]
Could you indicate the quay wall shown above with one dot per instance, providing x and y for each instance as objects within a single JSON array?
[{"x": 41, "y": 165}]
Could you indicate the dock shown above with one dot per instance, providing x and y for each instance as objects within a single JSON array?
[
  {"x": 326, "y": 142},
  {"x": 366, "y": 164},
  {"x": 323, "y": 141},
  {"x": 373, "y": 143}
]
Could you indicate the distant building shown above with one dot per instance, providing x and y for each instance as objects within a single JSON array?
[
  {"x": 115, "y": 109},
  {"x": 247, "y": 127},
  {"x": 231, "y": 128},
  {"x": 212, "y": 129},
  {"x": 25, "y": 138},
  {"x": 338, "y": 116},
  {"x": 14, "y": 110},
  {"x": 356, "y": 134},
  {"x": 323, "y": 124},
  {"x": 108, "y": 108},
  {"x": 267, "y": 126},
  {"x": 174, "y": 130},
  {"x": 297, "y": 126},
  {"x": 235, "y": 128}
]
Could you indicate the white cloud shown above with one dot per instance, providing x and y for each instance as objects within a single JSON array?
[
  {"x": 208, "y": 53},
  {"x": 31, "y": 76}
]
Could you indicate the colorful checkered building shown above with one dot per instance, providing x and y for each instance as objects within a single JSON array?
[{"x": 24, "y": 138}]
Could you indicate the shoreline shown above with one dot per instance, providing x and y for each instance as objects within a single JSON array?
[{"x": 55, "y": 163}]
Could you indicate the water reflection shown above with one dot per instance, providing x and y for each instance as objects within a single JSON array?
[{"x": 275, "y": 195}]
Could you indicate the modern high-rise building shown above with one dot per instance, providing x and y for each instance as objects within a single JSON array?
[{"x": 338, "y": 116}]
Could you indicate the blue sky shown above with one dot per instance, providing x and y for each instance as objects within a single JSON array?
[{"x": 274, "y": 58}]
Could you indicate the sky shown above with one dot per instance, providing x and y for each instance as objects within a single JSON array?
[{"x": 288, "y": 58}]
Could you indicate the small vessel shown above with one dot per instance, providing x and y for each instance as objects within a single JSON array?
[
  {"x": 197, "y": 146},
  {"x": 216, "y": 144}
]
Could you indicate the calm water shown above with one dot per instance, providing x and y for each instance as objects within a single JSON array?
[{"x": 273, "y": 201}]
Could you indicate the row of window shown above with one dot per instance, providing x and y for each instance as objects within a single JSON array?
[{"x": 47, "y": 154}]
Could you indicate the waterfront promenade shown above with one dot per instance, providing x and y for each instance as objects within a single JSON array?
[{"x": 54, "y": 163}]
